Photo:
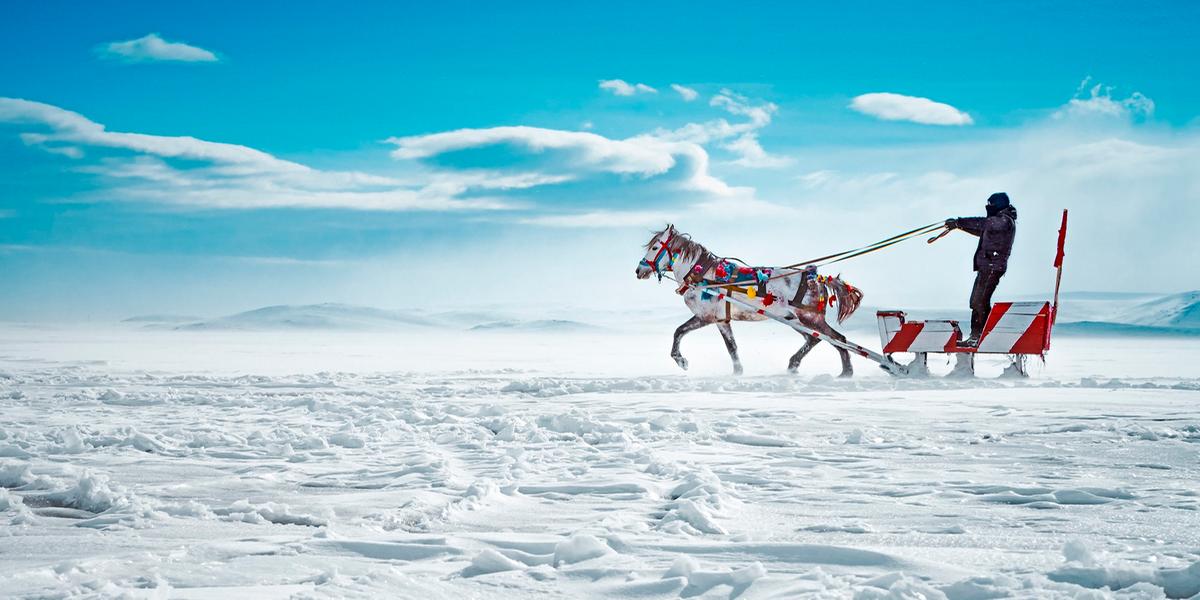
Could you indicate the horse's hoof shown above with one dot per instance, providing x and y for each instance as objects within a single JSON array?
[
  {"x": 846, "y": 375},
  {"x": 793, "y": 370},
  {"x": 737, "y": 369},
  {"x": 681, "y": 361}
]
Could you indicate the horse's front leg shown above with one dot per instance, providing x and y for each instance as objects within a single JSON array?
[
  {"x": 730, "y": 345},
  {"x": 818, "y": 323},
  {"x": 794, "y": 362},
  {"x": 827, "y": 329},
  {"x": 689, "y": 326}
]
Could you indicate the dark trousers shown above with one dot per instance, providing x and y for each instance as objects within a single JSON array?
[{"x": 981, "y": 298}]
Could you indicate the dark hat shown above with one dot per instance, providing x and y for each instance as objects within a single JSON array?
[{"x": 999, "y": 200}]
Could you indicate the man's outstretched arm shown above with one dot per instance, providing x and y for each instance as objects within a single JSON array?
[{"x": 971, "y": 225}]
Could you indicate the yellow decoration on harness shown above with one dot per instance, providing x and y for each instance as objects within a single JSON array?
[{"x": 751, "y": 292}]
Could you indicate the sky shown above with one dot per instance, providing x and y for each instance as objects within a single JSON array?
[{"x": 207, "y": 158}]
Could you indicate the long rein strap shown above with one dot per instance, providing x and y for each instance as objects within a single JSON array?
[
  {"x": 840, "y": 256},
  {"x": 900, "y": 237},
  {"x": 882, "y": 245}
]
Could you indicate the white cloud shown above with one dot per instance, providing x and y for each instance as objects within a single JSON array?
[
  {"x": 752, "y": 155},
  {"x": 140, "y": 167},
  {"x": 677, "y": 157},
  {"x": 584, "y": 152},
  {"x": 147, "y": 168},
  {"x": 687, "y": 93},
  {"x": 603, "y": 219},
  {"x": 153, "y": 48},
  {"x": 1100, "y": 104},
  {"x": 740, "y": 139},
  {"x": 617, "y": 156},
  {"x": 897, "y": 107},
  {"x": 720, "y": 129},
  {"x": 620, "y": 87},
  {"x": 760, "y": 114},
  {"x": 72, "y": 128}
]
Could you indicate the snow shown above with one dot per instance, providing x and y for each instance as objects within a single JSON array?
[{"x": 438, "y": 462}]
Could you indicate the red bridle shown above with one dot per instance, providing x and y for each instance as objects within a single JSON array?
[{"x": 664, "y": 250}]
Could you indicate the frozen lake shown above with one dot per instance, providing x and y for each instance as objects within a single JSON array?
[{"x": 472, "y": 464}]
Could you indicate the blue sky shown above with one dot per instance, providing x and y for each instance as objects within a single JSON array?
[{"x": 156, "y": 157}]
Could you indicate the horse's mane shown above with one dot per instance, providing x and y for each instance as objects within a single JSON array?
[{"x": 681, "y": 243}]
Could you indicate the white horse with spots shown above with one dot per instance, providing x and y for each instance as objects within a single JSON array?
[{"x": 792, "y": 293}]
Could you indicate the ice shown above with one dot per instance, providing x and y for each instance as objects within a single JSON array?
[
  {"x": 700, "y": 582},
  {"x": 490, "y": 561},
  {"x": 579, "y": 548},
  {"x": 270, "y": 512},
  {"x": 1178, "y": 582},
  {"x": 515, "y": 463}
]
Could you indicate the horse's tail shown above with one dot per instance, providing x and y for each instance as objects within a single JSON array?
[{"x": 848, "y": 297}]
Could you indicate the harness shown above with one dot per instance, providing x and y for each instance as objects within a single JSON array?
[{"x": 665, "y": 250}]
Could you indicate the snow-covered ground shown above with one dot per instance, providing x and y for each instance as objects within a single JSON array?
[{"x": 513, "y": 463}]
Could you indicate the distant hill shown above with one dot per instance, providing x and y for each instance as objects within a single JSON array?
[
  {"x": 1081, "y": 313},
  {"x": 1176, "y": 310},
  {"x": 545, "y": 325},
  {"x": 349, "y": 317},
  {"x": 1098, "y": 328},
  {"x": 313, "y": 316},
  {"x": 161, "y": 319}
]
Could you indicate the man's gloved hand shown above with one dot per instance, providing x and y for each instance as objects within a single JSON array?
[{"x": 951, "y": 223}]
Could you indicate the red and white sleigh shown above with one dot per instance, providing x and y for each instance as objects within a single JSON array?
[{"x": 1017, "y": 329}]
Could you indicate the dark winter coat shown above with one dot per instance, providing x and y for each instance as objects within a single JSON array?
[{"x": 996, "y": 232}]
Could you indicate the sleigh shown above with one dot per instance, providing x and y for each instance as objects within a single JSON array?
[{"x": 1016, "y": 329}]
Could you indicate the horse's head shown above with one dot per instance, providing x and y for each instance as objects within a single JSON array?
[{"x": 658, "y": 254}]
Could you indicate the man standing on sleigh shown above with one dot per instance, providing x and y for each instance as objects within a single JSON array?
[{"x": 996, "y": 232}]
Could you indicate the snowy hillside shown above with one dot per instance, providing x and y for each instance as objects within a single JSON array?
[
  {"x": 314, "y": 316},
  {"x": 345, "y": 317},
  {"x": 1176, "y": 310},
  {"x": 546, "y": 325},
  {"x": 161, "y": 319}
]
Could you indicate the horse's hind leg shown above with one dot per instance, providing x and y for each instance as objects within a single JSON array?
[
  {"x": 730, "y": 345},
  {"x": 794, "y": 362},
  {"x": 689, "y": 326}
]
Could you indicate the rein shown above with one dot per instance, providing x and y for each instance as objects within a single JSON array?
[
  {"x": 869, "y": 248},
  {"x": 788, "y": 270}
]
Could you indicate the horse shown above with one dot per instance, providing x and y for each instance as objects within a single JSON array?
[{"x": 798, "y": 294}]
